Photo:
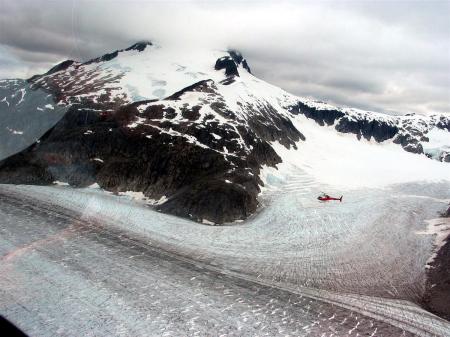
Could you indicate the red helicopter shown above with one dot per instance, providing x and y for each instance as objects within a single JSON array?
[{"x": 326, "y": 197}]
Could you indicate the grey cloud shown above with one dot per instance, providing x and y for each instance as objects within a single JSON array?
[{"x": 387, "y": 56}]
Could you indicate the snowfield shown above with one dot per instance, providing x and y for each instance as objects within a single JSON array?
[
  {"x": 351, "y": 255},
  {"x": 64, "y": 276},
  {"x": 339, "y": 160},
  {"x": 357, "y": 245},
  {"x": 368, "y": 254},
  {"x": 114, "y": 265}
]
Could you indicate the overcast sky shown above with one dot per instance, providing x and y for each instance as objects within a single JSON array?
[{"x": 389, "y": 56}]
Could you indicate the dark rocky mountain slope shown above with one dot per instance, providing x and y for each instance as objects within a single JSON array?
[{"x": 189, "y": 131}]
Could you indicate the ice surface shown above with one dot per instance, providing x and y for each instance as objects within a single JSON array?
[
  {"x": 375, "y": 243},
  {"x": 373, "y": 246},
  {"x": 440, "y": 228},
  {"x": 100, "y": 276},
  {"x": 61, "y": 276},
  {"x": 439, "y": 141},
  {"x": 356, "y": 245}
]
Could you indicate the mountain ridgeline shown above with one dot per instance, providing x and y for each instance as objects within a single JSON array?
[{"x": 190, "y": 131}]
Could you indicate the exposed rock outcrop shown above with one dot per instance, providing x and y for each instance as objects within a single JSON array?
[
  {"x": 409, "y": 131},
  {"x": 200, "y": 154},
  {"x": 228, "y": 64},
  {"x": 197, "y": 135}
]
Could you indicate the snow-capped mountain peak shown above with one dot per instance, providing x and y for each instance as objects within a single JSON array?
[{"x": 193, "y": 127}]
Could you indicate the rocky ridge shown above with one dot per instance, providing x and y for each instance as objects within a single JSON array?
[{"x": 193, "y": 132}]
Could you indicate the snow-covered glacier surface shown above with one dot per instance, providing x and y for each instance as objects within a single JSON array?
[
  {"x": 368, "y": 253},
  {"x": 366, "y": 244},
  {"x": 62, "y": 275},
  {"x": 111, "y": 264}
]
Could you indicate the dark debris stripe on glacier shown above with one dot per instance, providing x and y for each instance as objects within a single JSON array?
[{"x": 64, "y": 276}]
